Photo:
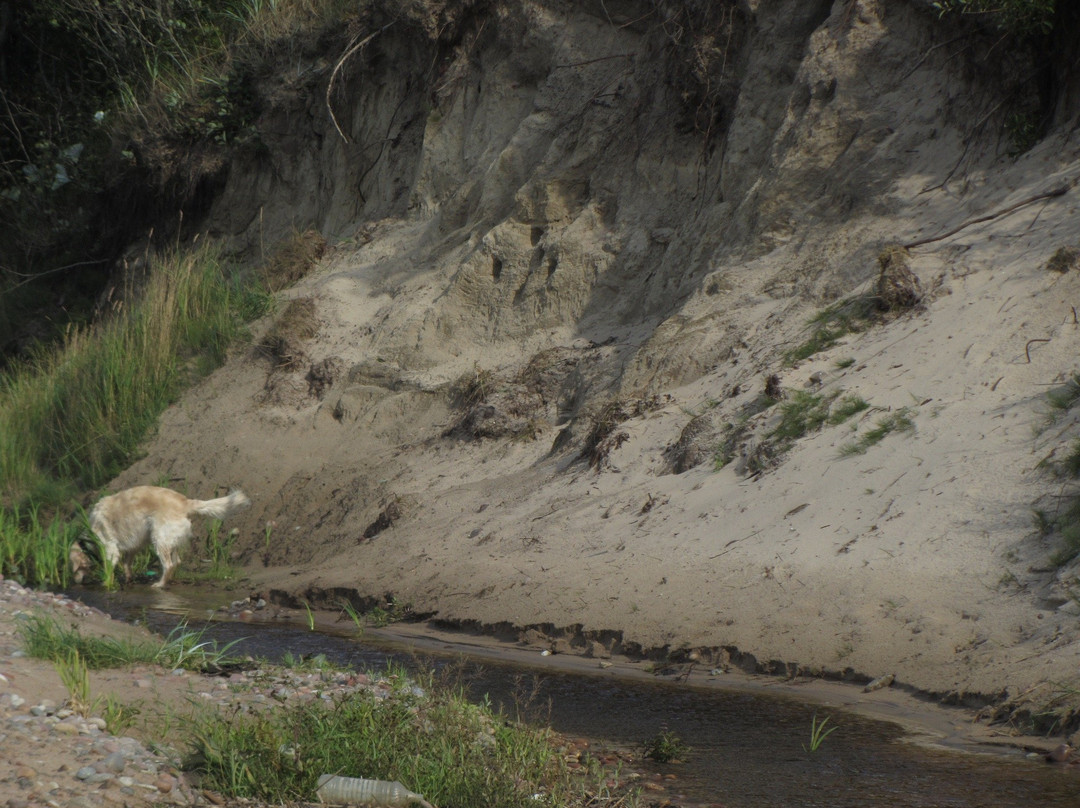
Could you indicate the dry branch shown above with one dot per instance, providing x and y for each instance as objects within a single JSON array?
[
  {"x": 1059, "y": 191},
  {"x": 353, "y": 48}
]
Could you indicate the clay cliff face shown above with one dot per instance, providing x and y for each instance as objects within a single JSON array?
[
  {"x": 569, "y": 243},
  {"x": 590, "y": 166}
]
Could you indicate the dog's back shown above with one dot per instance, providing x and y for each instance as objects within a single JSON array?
[{"x": 127, "y": 521}]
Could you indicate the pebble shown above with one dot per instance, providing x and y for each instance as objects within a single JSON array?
[{"x": 114, "y": 762}]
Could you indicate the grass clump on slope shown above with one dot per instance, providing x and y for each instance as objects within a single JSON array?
[
  {"x": 900, "y": 420},
  {"x": 72, "y": 417},
  {"x": 1065, "y": 521},
  {"x": 77, "y": 414}
]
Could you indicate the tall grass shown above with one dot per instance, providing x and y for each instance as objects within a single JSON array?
[
  {"x": 34, "y": 548},
  {"x": 71, "y": 418},
  {"x": 43, "y": 637}
]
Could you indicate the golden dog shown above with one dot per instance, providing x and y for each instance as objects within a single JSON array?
[{"x": 124, "y": 523}]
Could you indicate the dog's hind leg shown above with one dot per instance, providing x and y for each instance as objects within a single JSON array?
[{"x": 168, "y": 538}]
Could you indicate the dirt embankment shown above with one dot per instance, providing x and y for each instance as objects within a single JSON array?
[{"x": 569, "y": 245}]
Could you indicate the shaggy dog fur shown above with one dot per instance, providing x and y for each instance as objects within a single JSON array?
[{"x": 124, "y": 523}]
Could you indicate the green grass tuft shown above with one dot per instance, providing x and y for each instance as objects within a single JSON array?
[
  {"x": 218, "y": 547},
  {"x": 806, "y": 412},
  {"x": 832, "y": 324},
  {"x": 430, "y": 739},
  {"x": 898, "y": 421},
  {"x": 43, "y": 637},
  {"x": 801, "y": 414},
  {"x": 847, "y": 407},
  {"x": 666, "y": 747},
  {"x": 1065, "y": 397}
]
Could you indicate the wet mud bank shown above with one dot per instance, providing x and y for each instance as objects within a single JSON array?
[{"x": 995, "y": 719}]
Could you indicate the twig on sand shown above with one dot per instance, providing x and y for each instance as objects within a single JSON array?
[{"x": 1027, "y": 347}]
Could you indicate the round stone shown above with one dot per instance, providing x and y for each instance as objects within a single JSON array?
[{"x": 115, "y": 762}]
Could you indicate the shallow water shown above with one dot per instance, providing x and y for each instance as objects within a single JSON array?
[{"x": 748, "y": 749}]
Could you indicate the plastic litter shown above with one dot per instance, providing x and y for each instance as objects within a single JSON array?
[{"x": 337, "y": 790}]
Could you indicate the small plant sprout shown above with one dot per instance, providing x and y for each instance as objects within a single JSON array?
[
  {"x": 666, "y": 747},
  {"x": 310, "y": 616},
  {"x": 75, "y": 675},
  {"x": 353, "y": 615},
  {"x": 818, "y": 733},
  {"x": 119, "y": 717}
]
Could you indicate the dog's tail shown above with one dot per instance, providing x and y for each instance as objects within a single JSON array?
[{"x": 220, "y": 508}]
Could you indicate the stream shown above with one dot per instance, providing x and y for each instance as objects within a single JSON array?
[{"x": 749, "y": 748}]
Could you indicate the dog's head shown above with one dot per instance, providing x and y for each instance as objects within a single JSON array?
[
  {"x": 80, "y": 557},
  {"x": 80, "y": 562}
]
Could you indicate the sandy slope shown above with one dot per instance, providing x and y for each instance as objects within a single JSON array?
[{"x": 917, "y": 558}]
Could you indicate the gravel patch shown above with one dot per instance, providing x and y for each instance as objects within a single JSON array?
[{"x": 51, "y": 756}]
